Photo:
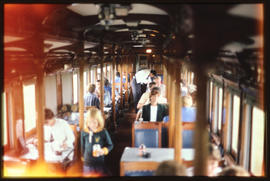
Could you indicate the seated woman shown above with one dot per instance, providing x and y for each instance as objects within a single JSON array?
[
  {"x": 188, "y": 112},
  {"x": 154, "y": 112}
]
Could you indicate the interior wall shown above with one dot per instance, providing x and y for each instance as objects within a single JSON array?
[
  {"x": 50, "y": 93},
  {"x": 67, "y": 87}
]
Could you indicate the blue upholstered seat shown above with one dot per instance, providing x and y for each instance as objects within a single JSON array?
[
  {"x": 140, "y": 173},
  {"x": 148, "y": 137},
  {"x": 187, "y": 138}
]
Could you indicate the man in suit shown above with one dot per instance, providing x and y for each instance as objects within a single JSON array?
[{"x": 154, "y": 112}]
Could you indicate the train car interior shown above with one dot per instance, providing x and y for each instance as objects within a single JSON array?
[{"x": 98, "y": 89}]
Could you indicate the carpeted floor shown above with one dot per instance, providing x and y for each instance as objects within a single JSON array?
[{"x": 121, "y": 139}]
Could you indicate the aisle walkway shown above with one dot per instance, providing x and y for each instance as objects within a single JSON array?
[{"x": 121, "y": 139}]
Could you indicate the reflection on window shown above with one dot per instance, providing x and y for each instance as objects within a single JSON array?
[
  {"x": 4, "y": 118},
  {"x": 215, "y": 108},
  {"x": 29, "y": 107},
  {"x": 235, "y": 126},
  {"x": 257, "y": 142},
  {"x": 247, "y": 135},
  {"x": 75, "y": 88},
  {"x": 220, "y": 108}
]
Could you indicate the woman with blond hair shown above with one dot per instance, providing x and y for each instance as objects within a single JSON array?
[{"x": 95, "y": 143}]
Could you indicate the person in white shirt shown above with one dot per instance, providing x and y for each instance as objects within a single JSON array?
[
  {"x": 58, "y": 138},
  {"x": 145, "y": 95},
  {"x": 162, "y": 87}
]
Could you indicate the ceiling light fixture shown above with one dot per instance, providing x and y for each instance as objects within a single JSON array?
[{"x": 148, "y": 50}]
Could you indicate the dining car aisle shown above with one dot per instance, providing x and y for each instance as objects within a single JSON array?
[{"x": 121, "y": 139}]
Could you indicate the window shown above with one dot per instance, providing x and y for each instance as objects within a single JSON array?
[
  {"x": 257, "y": 142},
  {"x": 75, "y": 88},
  {"x": 4, "y": 118},
  {"x": 29, "y": 101},
  {"x": 247, "y": 127},
  {"x": 220, "y": 96},
  {"x": 210, "y": 100},
  {"x": 228, "y": 120},
  {"x": 235, "y": 122},
  {"x": 215, "y": 108}
]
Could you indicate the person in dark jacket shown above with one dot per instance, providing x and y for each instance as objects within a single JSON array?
[
  {"x": 95, "y": 143},
  {"x": 154, "y": 112}
]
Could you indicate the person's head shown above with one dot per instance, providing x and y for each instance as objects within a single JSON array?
[
  {"x": 187, "y": 101},
  {"x": 98, "y": 84},
  {"x": 49, "y": 117},
  {"x": 152, "y": 85},
  {"x": 234, "y": 171},
  {"x": 171, "y": 168},
  {"x": 106, "y": 82},
  {"x": 157, "y": 80},
  {"x": 118, "y": 74},
  {"x": 94, "y": 120},
  {"x": 213, "y": 159},
  {"x": 154, "y": 94},
  {"x": 153, "y": 73},
  {"x": 91, "y": 88}
]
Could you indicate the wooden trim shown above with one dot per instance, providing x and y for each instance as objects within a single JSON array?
[
  {"x": 147, "y": 125},
  {"x": 225, "y": 131},
  {"x": 251, "y": 134},
  {"x": 178, "y": 116},
  {"x": 172, "y": 106},
  {"x": 96, "y": 74},
  {"x": 40, "y": 104},
  {"x": 121, "y": 81},
  {"x": 113, "y": 92},
  {"x": 201, "y": 136},
  {"x": 102, "y": 86},
  {"x": 59, "y": 92},
  {"x": 81, "y": 98},
  {"x": 8, "y": 119}
]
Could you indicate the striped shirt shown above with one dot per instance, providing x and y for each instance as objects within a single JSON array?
[{"x": 91, "y": 100}]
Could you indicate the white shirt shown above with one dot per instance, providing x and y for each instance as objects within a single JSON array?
[
  {"x": 60, "y": 132},
  {"x": 153, "y": 113}
]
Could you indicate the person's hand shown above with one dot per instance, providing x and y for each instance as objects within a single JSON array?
[
  {"x": 64, "y": 145},
  {"x": 101, "y": 152}
]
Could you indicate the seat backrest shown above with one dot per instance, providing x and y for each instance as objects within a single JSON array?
[
  {"x": 187, "y": 134},
  {"x": 148, "y": 133}
]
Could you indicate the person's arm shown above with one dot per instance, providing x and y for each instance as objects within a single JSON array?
[
  {"x": 70, "y": 138},
  {"x": 108, "y": 143},
  {"x": 142, "y": 101}
]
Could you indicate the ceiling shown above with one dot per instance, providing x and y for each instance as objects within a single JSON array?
[{"x": 57, "y": 33}]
